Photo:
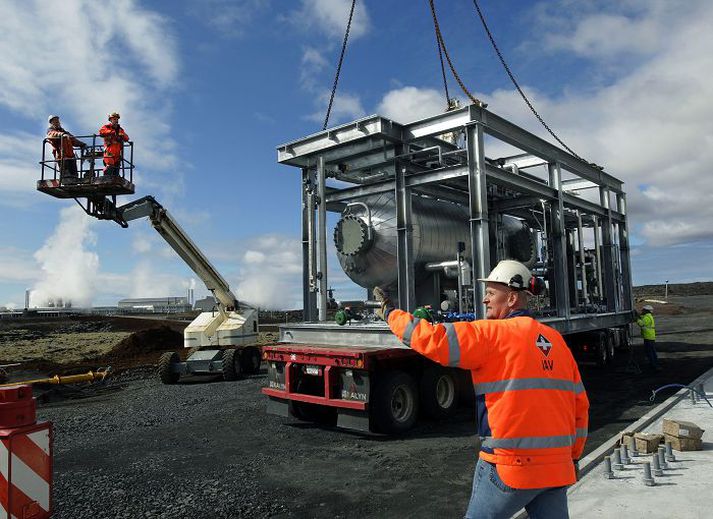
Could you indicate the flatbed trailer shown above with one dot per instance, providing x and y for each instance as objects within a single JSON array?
[{"x": 424, "y": 213}]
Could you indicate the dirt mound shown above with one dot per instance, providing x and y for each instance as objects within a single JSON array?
[
  {"x": 145, "y": 342},
  {"x": 675, "y": 289},
  {"x": 659, "y": 308}
]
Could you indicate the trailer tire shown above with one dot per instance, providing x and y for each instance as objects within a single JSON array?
[
  {"x": 438, "y": 392},
  {"x": 164, "y": 368},
  {"x": 251, "y": 360},
  {"x": 394, "y": 403},
  {"x": 602, "y": 352},
  {"x": 232, "y": 367}
]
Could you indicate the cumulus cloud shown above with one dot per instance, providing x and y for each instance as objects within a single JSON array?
[
  {"x": 411, "y": 103},
  {"x": 94, "y": 61},
  {"x": 68, "y": 265},
  {"x": 346, "y": 107},
  {"x": 270, "y": 275},
  {"x": 330, "y": 18}
]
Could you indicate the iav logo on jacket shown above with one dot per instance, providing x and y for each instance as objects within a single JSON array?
[{"x": 544, "y": 345}]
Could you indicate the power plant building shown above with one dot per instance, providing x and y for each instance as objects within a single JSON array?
[{"x": 164, "y": 305}]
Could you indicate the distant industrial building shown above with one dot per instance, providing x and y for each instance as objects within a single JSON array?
[
  {"x": 206, "y": 304},
  {"x": 159, "y": 305}
]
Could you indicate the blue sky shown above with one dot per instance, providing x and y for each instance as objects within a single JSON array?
[{"x": 208, "y": 89}]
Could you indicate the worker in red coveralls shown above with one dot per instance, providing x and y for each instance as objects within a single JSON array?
[
  {"x": 531, "y": 404},
  {"x": 114, "y": 139},
  {"x": 63, "y": 143}
]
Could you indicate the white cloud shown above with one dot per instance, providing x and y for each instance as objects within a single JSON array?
[
  {"x": 94, "y": 60},
  {"x": 330, "y": 18},
  {"x": 68, "y": 266},
  {"x": 231, "y": 18},
  {"x": 346, "y": 107},
  {"x": 16, "y": 265},
  {"x": 410, "y": 103},
  {"x": 271, "y": 273}
]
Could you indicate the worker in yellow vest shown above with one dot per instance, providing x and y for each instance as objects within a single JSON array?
[{"x": 648, "y": 331}]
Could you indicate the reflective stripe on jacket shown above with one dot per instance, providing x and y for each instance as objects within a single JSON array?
[
  {"x": 648, "y": 326},
  {"x": 530, "y": 401},
  {"x": 113, "y": 140}
]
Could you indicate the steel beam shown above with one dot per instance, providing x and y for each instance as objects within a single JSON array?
[
  {"x": 559, "y": 245},
  {"x": 322, "y": 283},
  {"x": 609, "y": 272},
  {"x": 628, "y": 301},
  {"x": 479, "y": 230}
]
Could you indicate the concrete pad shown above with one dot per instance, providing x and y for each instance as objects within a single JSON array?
[{"x": 684, "y": 491}]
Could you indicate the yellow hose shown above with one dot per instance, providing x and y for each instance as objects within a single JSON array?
[{"x": 91, "y": 376}]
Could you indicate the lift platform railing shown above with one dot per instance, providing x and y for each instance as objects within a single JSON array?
[{"x": 88, "y": 158}]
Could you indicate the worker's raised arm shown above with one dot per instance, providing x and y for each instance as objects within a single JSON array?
[{"x": 463, "y": 345}]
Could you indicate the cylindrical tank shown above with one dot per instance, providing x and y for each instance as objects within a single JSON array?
[{"x": 365, "y": 237}]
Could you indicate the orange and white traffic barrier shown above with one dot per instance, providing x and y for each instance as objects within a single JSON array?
[{"x": 25, "y": 457}]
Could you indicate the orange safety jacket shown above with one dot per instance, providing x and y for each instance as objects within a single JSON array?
[
  {"x": 531, "y": 404},
  {"x": 62, "y": 142},
  {"x": 113, "y": 140}
]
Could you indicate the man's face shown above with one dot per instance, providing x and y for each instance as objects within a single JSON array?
[
  {"x": 55, "y": 122},
  {"x": 499, "y": 301},
  {"x": 114, "y": 121}
]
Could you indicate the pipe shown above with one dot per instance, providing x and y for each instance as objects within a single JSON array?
[
  {"x": 90, "y": 376},
  {"x": 597, "y": 247},
  {"x": 311, "y": 253},
  {"x": 368, "y": 215},
  {"x": 358, "y": 304}
]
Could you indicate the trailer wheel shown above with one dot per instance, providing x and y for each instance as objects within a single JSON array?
[
  {"x": 611, "y": 347},
  {"x": 251, "y": 360},
  {"x": 438, "y": 392},
  {"x": 395, "y": 403},
  {"x": 165, "y": 367},
  {"x": 232, "y": 367},
  {"x": 602, "y": 350}
]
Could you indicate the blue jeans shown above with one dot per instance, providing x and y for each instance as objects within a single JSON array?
[{"x": 493, "y": 499}]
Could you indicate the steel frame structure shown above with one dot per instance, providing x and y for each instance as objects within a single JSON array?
[{"x": 377, "y": 155}]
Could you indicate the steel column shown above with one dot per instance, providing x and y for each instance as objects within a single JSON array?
[
  {"x": 404, "y": 244},
  {"x": 309, "y": 297},
  {"x": 559, "y": 244},
  {"x": 624, "y": 250},
  {"x": 609, "y": 272},
  {"x": 322, "y": 284},
  {"x": 479, "y": 231}
]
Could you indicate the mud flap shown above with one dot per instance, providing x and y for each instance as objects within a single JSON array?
[
  {"x": 278, "y": 407},
  {"x": 353, "y": 419}
]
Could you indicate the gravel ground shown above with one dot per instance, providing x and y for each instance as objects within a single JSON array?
[{"x": 209, "y": 450}]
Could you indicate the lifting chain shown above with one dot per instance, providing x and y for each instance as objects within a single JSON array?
[
  {"x": 442, "y": 46},
  {"x": 339, "y": 66}
]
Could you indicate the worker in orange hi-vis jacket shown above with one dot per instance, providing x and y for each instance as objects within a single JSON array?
[
  {"x": 531, "y": 406},
  {"x": 63, "y": 144},
  {"x": 114, "y": 139}
]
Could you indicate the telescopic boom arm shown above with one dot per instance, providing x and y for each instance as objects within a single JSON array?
[{"x": 179, "y": 241}]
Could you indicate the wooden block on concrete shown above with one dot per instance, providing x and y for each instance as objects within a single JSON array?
[
  {"x": 681, "y": 429},
  {"x": 684, "y": 444},
  {"x": 648, "y": 443}
]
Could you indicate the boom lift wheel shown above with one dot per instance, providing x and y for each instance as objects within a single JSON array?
[
  {"x": 232, "y": 366},
  {"x": 602, "y": 349},
  {"x": 165, "y": 367},
  {"x": 438, "y": 392},
  {"x": 394, "y": 403},
  {"x": 252, "y": 358}
]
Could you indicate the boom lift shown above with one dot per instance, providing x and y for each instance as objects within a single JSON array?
[{"x": 223, "y": 340}]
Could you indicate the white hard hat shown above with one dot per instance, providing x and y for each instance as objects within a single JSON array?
[
  {"x": 511, "y": 273},
  {"x": 49, "y": 119},
  {"x": 648, "y": 308}
]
